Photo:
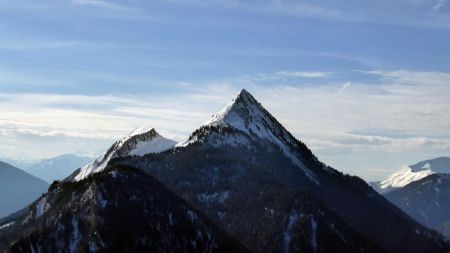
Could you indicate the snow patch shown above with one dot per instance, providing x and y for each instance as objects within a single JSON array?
[
  {"x": 403, "y": 177},
  {"x": 219, "y": 197},
  {"x": 75, "y": 237},
  {"x": 314, "y": 234},
  {"x": 101, "y": 201},
  {"x": 193, "y": 216},
  {"x": 7, "y": 225},
  {"x": 293, "y": 218},
  {"x": 157, "y": 145},
  {"x": 41, "y": 207}
]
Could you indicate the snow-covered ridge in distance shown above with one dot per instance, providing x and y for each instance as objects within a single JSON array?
[
  {"x": 138, "y": 143},
  {"x": 412, "y": 173}
]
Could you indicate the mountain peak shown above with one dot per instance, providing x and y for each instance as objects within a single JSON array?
[
  {"x": 143, "y": 130},
  {"x": 244, "y": 94},
  {"x": 247, "y": 115},
  {"x": 242, "y": 110},
  {"x": 139, "y": 142}
]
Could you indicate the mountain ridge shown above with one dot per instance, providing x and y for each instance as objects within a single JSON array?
[
  {"x": 227, "y": 161},
  {"x": 246, "y": 173},
  {"x": 57, "y": 168}
]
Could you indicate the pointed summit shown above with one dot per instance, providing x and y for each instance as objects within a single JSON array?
[
  {"x": 244, "y": 113},
  {"x": 247, "y": 115},
  {"x": 141, "y": 141}
]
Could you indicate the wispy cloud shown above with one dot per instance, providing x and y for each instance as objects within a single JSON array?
[
  {"x": 439, "y": 5},
  {"x": 412, "y": 13},
  {"x": 304, "y": 74},
  {"x": 294, "y": 8},
  {"x": 113, "y": 10},
  {"x": 37, "y": 45},
  {"x": 345, "y": 86},
  {"x": 104, "y": 4}
]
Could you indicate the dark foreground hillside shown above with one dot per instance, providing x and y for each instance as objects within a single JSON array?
[{"x": 120, "y": 211}]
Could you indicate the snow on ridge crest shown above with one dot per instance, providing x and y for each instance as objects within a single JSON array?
[
  {"x": 139, "y": 142},
  {"x": 403, "y": 177},
  {"x": 409, "y": 174}
]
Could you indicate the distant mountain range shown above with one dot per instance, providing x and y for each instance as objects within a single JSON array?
[
  {"x": 57, "y": 168},
  {"x": 240, "y": 182},
  {"x": 18, "y": 189},
  {"x": 51, "y": 169},
  {"x": 422, "y": 191}
]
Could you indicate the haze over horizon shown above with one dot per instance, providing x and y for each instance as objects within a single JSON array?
[{"x": 367, "y": 91}]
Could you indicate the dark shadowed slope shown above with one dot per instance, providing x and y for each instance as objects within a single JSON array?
[
  {"x": 123, "y": 210},
  {"x": 427, "y": 201}
]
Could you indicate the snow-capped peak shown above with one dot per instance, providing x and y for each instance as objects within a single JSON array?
[
  {"x": 409, "y": 174},
  {"x": 139, "y": 142},
  {"x": 246, "y": 114},
  {"x": 225, "y": 116}
]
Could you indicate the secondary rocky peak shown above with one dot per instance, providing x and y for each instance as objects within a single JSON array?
[{"x": 139, "y": 142}]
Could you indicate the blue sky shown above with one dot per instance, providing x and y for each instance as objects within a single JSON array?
[{"x": 365, "y": 84}]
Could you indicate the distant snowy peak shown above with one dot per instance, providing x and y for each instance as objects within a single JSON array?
[
  {"x": 403, "y": 177},
  {"x": 138, "y": 143},
  {"x": 409, "y": 174}
]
